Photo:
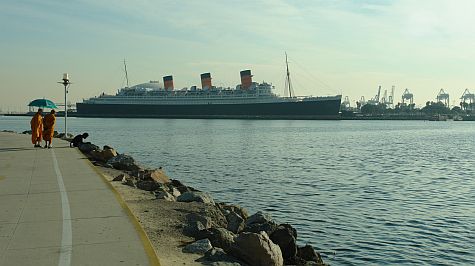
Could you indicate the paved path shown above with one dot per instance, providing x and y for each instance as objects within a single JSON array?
[{"x": 55, "y": 209}]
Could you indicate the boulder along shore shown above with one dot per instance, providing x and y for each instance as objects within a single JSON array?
[{"x": 187, "y": 227}]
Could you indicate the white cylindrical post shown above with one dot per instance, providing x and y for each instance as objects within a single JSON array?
[
  {"x": 65, "y": 110},
  {"x": 66, "y": 84}
]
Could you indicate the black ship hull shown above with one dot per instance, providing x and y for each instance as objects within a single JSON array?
[{"x": 321, "y": 109}]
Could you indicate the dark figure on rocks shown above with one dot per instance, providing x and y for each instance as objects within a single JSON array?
[{"x": 78, "y": 140}]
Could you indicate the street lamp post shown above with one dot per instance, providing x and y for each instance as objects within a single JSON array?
[{"x": 66, "y": 84}]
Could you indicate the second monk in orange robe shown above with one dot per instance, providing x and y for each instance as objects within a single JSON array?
[
  {"x": 48, "y": 124},
  {"x": 37, "y": 128}
]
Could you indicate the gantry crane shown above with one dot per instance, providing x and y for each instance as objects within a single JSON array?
[
  {"x": 407, "y": 96},
  {"x": 443, "y": 97}
]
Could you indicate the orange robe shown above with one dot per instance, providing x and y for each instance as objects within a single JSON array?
[
  {"x": 36, "y": 128},
  {"x": 48, "y": 124}
]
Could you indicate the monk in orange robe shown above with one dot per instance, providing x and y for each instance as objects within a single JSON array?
[
  {"x": 37, "y": 128},
  {"x": 48, "y": 124}
]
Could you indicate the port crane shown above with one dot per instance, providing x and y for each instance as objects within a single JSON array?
[
  {"x": 407, "y": 96},
  {"x": 375, "y": 99},
  {"x": 467, "y": 97},
  {"x": 384, "y": 99},
  {"x": 388, "y": 100},
  {"x": 346, "y": 103},
  {"x": 360, "y": 103},
  {"x": 444, "y": 98},
  {"x": 391, "y": 97},
  {"x": 363, "y": 100}
]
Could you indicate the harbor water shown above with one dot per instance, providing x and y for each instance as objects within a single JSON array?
[{"x": 361, "y": 192}]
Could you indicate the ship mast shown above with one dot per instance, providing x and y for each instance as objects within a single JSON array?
[
  {"x": 126, "y": 76},
  {"x": 288, "y": 84}
]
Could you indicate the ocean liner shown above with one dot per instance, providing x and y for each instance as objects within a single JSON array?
[{"x": 249, "y": 100}]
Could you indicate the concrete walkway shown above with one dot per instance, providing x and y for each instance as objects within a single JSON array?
[{"x": 55, "y": 209}]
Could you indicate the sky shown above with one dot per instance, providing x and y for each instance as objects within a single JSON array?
[{"x": 347, "y": 47}]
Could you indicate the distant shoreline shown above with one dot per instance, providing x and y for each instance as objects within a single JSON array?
[{"x": 342, "y": 117}]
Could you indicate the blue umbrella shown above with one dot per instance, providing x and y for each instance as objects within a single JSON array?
[{"x": 43, "y": 103}]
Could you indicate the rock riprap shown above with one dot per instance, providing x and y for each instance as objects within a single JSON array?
[
  {"x": 218, "y": 257},
  {"x": 235, "y": 222},
  {"x": 285, "y": 236},
  {"x": 260, "y": 222},
  {"x": 123, "y": 162},
  {"x": 103, "y": 155},
  {"x": 198, "y": 247},
  {"x": 196, "y": 196},
  {"x": 257, "y": 249},
  {"x": 86, "y": 148},
  {"x": 221, "y": 238},
  {"x": 308, "y": 253},
  {"x": 225, "y": 234}
]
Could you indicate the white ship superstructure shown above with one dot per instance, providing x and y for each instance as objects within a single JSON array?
[
  {"x": 247, "y": 100},
  {"x": 153, "y": 93}
]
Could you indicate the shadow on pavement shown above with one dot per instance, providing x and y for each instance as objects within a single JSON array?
[
  {"x": 17, "y": 149},
  {"x": 29, "y": 149}
]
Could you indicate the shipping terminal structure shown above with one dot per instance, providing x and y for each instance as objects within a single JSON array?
[{"x": 249, "y": 100}]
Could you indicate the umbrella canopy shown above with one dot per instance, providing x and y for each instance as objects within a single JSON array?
[{"x": 43, "y": 103}]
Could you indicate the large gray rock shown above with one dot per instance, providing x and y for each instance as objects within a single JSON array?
[
  {"x": 308, "y": 253},
  {"x": 285, "y": 236},
  {"x": 196, "y": 196},
  {"x": 196, "y": 225},
  {"x": 269, "y": 228},
  {"x": 129, "y": 181},
  {"x": 87, "y": 148},
  {"x": 180, "y": 186},
  {"x": 219, "y": 220},
  {"x": 165, "y": 196},
  {"x": 192, "y": 217},
  {"x": 94, "y": 155},
  {"x": 160, "y": 190},
  {"x": 227, "y": 208},
  {"x": 217, "y": 257},
  {"x": 259, "y": 218},
  {"x": 198, "y": 247},
  {"x": 260, "y": 222},
  {"x": 120, "y": 177},
  {"x": 123, "y": 162},
  {"x": 196, "y": 229},
  {"x": 221, "y": 238},
  {"x": 156, "y": 175},
  {"x": 257, "y": 250},
  {"x": 175, "y": 192},
  {"x": 235, "y": 222},
  {"x": 103, "y": 155},
  {"x": 148, "y": 185}
]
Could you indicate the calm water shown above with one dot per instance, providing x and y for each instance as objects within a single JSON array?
[{"x": 362, "y": 192}]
